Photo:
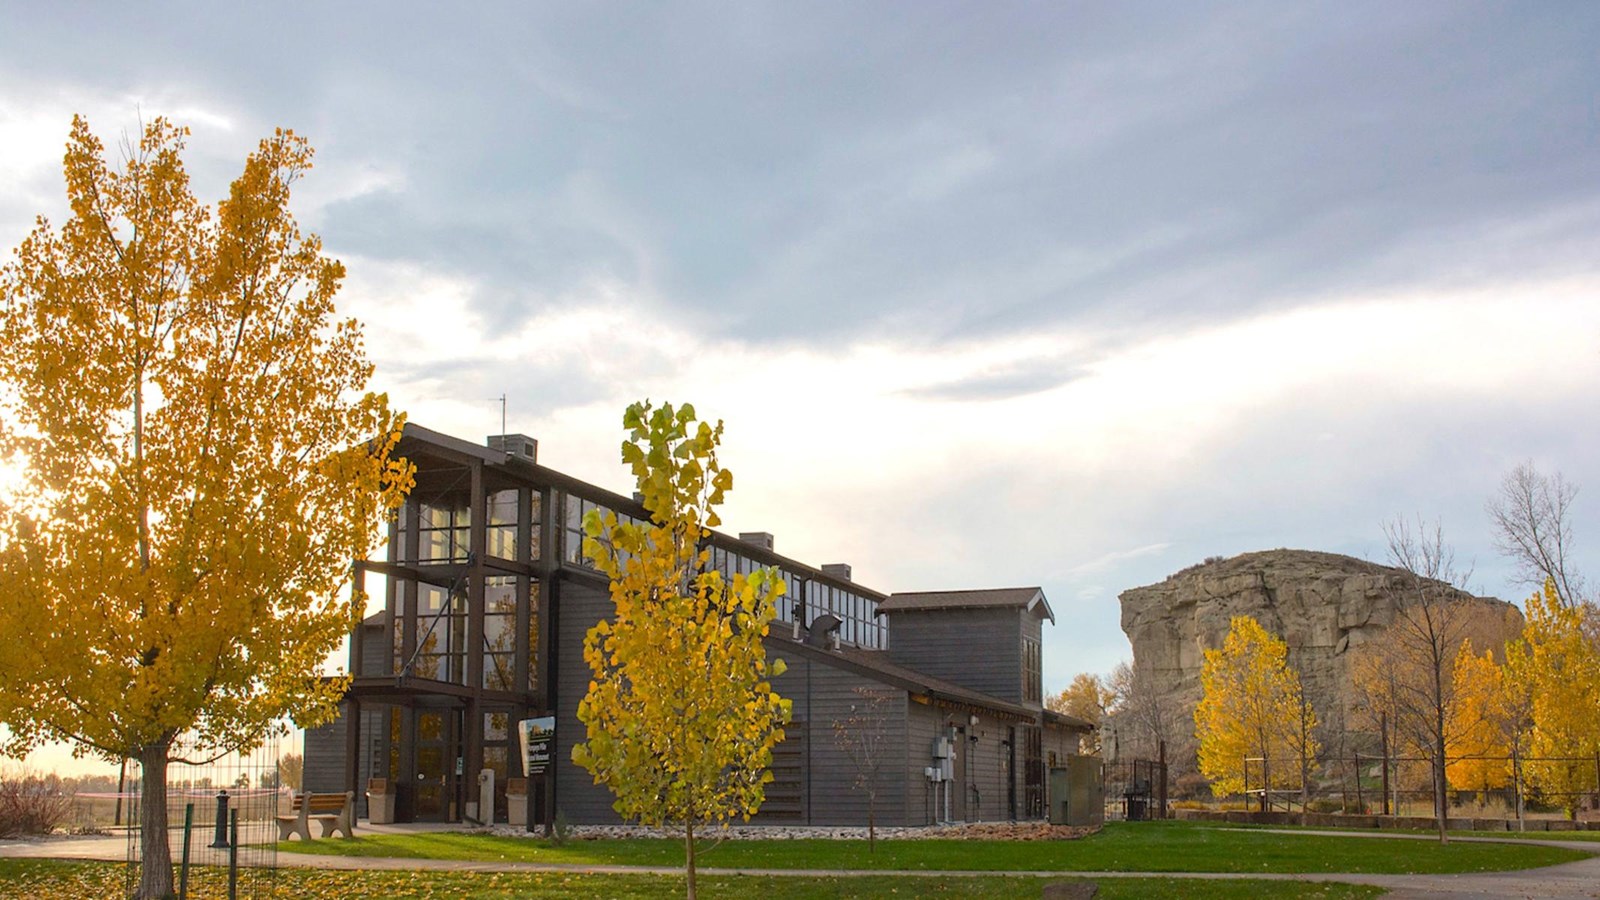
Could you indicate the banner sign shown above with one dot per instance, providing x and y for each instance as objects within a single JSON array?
[{"x": 538, "y": 740}]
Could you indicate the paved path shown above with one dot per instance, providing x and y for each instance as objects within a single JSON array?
[{"x": 1570, "y": 881}]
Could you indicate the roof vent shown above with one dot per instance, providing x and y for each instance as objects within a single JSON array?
[
  {"x": 519, "y": 445},
  {"x": 761, "y": 539},
  {"x": 821, "y": 627},
  {"x": 837, "y": 570}
]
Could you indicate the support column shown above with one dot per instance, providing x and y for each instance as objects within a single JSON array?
[
  {"x": 473, "y": 726},
  {"x": 549, "y": 618},
  {"x": 352, "y": 745}
]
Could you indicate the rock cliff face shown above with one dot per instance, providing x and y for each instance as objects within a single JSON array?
[{"x": 1321, "y": 604}]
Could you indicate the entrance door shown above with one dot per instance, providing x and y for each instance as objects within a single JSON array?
[{"x": 438, "y": 746}]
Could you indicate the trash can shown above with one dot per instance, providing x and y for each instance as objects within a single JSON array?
[
  {"x": 1138, "y": 807},
  {"x": 517, "y": 801},
  {"x": 380, "y": 802}
]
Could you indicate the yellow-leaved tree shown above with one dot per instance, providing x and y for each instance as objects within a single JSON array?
[
  {"x": 199, "y": 464},
  {"x": 1255, "y": 729},
  {"x": 1477, "y": 720},
  {"x": 1559, "y": 667},
  {"x": 1087, "y": 697},
  {"x": 681, "y": 717}
]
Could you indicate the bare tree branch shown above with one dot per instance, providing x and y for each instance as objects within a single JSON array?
[{"x": 1533, "y": 528}]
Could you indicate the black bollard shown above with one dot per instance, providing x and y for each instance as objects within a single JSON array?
[{"x": 221, "y": 841}]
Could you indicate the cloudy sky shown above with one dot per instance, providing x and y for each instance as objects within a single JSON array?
[{"x": 990, "y": 294}]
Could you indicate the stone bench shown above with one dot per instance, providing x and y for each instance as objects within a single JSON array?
[{"x": 334, "y": 812}]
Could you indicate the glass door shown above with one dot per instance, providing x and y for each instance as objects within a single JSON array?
[{"x": 438, "y": 746}]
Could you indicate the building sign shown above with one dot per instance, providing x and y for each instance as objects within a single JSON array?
[{"x": 538, "y": 738}]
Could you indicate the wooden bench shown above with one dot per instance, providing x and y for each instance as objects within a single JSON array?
[{"x": 334, "y": 812}]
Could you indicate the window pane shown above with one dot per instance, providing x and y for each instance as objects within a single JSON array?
[
  {"x": 496, "y": 726},
  {"x": 503, "y": 508},
  {"x": 499, "y": 671},
  {"x": 533, "y": 636},
  {"x": 433, "y": 516},
  {"x": 536, "y": 503}
]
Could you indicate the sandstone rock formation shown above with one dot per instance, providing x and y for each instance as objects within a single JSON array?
[{"x": 1322, "y": 604}]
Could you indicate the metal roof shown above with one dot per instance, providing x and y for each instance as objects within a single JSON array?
[{"x": 1027, "y": 598}]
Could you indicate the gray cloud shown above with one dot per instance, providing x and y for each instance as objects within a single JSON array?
[
  {"x": 808, "y": 173},
  {"x": 1016, "y": 380},
  {"x": 813, "y": 173}
]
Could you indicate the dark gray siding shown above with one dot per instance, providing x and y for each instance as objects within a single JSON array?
[
  {"x": 987, "y": 770},
  {"x": 924, "y": 723},
  {"x": 581, "y": 606},
  {"x": 1059, "y": 743},
  {"x": 980, "y": 649},
  {"x": 324, "y": 758},
  {"x": 374, "y": 651},
  {"x": 820, "y": 695},
  {"x": 989, "y": 776}
]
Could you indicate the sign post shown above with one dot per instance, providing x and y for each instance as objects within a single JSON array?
[{"x": 538, "y": 737}]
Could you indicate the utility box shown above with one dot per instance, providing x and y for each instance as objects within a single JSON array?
[
  {"x": 1060, "y": 796},
  {"x": 1077, "y": 793}
]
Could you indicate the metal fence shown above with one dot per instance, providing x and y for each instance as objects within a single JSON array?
[
  {"x": 1136, "y": 790},
  {"x": 221, "y": 826},
  {"x": 1373, "y": 784}
]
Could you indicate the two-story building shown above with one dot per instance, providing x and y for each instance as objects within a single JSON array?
[{"x": 486, "y": 600}]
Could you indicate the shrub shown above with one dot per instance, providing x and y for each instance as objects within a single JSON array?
[
  {"x": 1329, "y": 805},
  {"x": 32, "y": 804},
  {"x": 1191, "y": 785}
]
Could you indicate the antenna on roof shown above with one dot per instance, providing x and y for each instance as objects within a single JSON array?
[{"x": 502, "y": 399}]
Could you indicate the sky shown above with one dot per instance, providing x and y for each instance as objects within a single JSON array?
[{"x": 992, "y": 294}]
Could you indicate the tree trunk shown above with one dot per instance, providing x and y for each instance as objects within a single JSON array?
[
  {"x": 1516, "y": 777},
  {"x": 1266, "y": 782},
  {"x": 155, "y": 849},
  {"x": 688, "y": 849},
  {"x": 122, "y": 788},
  {"x": 872, "y": 822},
  {"x": 1305, "y": 787},
  {"x": 1441, "y": 800}
]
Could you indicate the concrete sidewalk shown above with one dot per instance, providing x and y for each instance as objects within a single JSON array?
[{"x": 1570, "y": 881}]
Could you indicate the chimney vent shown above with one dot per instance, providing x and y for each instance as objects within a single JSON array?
[
  {"x": 519, "y": 445},
  {"x": 837, "y": 570},
  {"x": 761, "y": 539}
]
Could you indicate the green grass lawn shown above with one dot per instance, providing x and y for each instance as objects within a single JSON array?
[
  {"x": 1121, "y": 847},
  {"x": 95, "y": 881},
  {"x": 1592, "y": 836}
]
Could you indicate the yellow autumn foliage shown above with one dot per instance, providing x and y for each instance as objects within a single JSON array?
[
  {"x": 1558, "y": 665},
  {"x": 1252, "y": 709},
  {"x": 1481, "y": 746},
  {"x": 1089, "y": 698},
  {"x": 200, "y": 464},
  {"x": 681, "y": 717}
]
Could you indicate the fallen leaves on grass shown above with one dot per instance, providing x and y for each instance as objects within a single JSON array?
[{"x": 1019, "y": 831}]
